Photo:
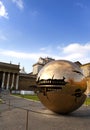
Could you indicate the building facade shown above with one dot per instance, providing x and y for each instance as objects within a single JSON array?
[
  {"x": 12, "y": 78},
  {"x": 41, "y": 62},
  {"x": 9, "y": 76},
  {"x": 86, "y": 72},
  {"x": 27, "y": 81}
]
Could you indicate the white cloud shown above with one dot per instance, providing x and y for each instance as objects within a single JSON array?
[
  {"x": 77, "y": 48},
  {"x": 19, "y": 3},
  {"x": 22, "y": 55},
  {"x": 76, "y": 52},
  {"x": 73, "y": 52},
  {"x": 3, "y": 12}
]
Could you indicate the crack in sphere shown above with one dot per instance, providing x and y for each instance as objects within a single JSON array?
[{"x": 61, "y": 86}]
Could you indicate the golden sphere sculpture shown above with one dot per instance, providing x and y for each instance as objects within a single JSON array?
[{"x": 61, "y": 86}]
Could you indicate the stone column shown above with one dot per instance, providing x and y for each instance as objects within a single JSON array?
[
  {"x": 12, "y": 85},
  {"x": 8, "y": 78},
  {"x": 17, "y": 79},
  {"x": 3, "y": 79}
]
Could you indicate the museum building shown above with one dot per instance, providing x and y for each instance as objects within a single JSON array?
[{"x": 12, "y": 78}]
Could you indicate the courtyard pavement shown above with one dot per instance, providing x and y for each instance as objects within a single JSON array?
[{"x": 21, "y": 114}]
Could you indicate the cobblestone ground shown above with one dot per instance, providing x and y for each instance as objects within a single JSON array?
[{"x": 14, "y": 111}]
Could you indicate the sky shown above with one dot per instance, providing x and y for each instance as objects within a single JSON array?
[{"x": 30, "y": 29}]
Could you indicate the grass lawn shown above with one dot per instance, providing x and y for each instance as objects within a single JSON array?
[
  {"x": 0, "y": 101},
  {"x": 33, "y": 97},
  {"x": 87, "y": 101}
]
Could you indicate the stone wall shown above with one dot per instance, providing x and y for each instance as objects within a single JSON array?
[
  {"x": 86, "y": 71},
  {"x": 88, "y": 86},
  {"x": 26, "y": 82}
]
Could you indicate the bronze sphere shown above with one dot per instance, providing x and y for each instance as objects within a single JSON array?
[{"x": 61, "y": 86}]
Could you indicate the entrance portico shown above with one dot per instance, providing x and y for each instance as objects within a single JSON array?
[{"x": 9, "y": 75}]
